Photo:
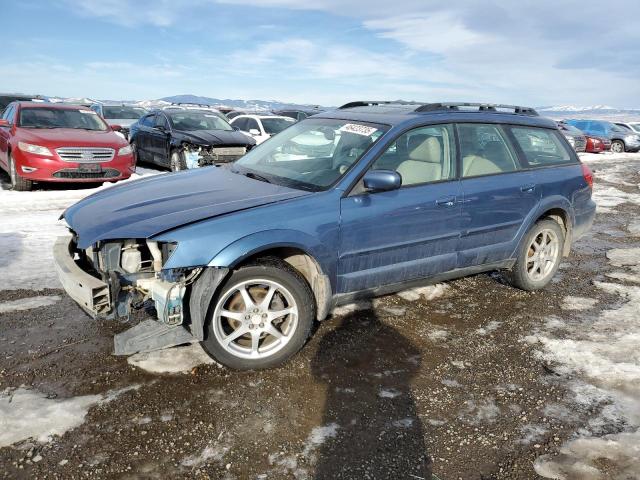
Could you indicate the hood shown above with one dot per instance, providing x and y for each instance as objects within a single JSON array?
[
  {"x": 71, "y": 137},
  {"x": 216, "y": 137},
  {"x": 147, "y": 207}
]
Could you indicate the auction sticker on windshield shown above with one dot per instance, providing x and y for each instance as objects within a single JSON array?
[{"x": 358, "y": 129}]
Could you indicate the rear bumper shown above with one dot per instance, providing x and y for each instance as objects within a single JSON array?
[
  {"x": 91, "y": 293},
  {"x": 583, "y": 221}
]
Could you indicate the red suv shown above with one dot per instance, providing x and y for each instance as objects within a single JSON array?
[{"x": 45, "y": 142}]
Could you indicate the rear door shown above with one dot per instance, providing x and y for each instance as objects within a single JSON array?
[
  {"x": 409, "y": 233},
  {"x": 143, "y": 138},
  {"x": 498, "y": 194}
]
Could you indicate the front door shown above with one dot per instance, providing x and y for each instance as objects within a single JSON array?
[
  {"x": 406, "y": 234},
  {"x": 497, "y": 195},
  {"x": 159, "y": 140}
]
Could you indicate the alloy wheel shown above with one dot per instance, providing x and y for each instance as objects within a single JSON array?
[
  {"x": 617, "y": 147},
  {"x": 542, "y": 255},
  {"x": 255, "y": 319}
]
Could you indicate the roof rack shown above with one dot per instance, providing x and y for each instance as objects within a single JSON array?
[
  {"x": 480, "y": 107},
  {"x": 373, "y": 103}
]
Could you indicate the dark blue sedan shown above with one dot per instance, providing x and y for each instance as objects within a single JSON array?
[{"x": 365, "y": 200}]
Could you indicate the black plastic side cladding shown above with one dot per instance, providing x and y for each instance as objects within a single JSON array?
[{"x": 202, "y": 291}]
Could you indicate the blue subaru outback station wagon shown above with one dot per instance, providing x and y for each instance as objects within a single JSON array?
[{"x": 365, "y": 200}]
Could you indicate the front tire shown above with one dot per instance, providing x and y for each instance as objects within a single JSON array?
[
  {"x": 18, "y": 183},
  {"x": 262, "y": 317},
  {"x": 539, "y": 256},
  {"x": 617, "y": 146},
  {"x": 177, "y": 161}
]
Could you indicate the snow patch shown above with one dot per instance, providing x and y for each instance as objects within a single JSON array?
[
  {"x": 620, "y": 257},
  {"x": 430, "y": 292},
  {"x": 492, "y": 326},
  {"x": 26, "y": 413},
  {"x": 28, "y": 303},
  {"x": 214, "y": 453},
  {"x": 171, "y": 360},
  {"x": 318, "y": 436},
  {"x": 578, "y": 303},
  {"x": 485, "y": 410},
  {"x": 604, "y": 355},
  {"x": 438, "y": 335},
  {"x": 388, "y": 393}
]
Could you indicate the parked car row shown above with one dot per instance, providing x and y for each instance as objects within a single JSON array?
[{"x": 602, "y": 135}]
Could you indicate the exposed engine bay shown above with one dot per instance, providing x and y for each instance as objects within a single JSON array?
[
  {"x": 202, "y": 156},
  {"x": 133, "y": 270}
]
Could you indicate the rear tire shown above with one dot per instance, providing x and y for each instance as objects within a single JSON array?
[
  {"x": 177, "y": 161},
  {"x": 245, "y": 333},
  {"x": 18, "y": 183},
  {"x": 617, "y": 146},
  {"x": 539, "y": 256}
]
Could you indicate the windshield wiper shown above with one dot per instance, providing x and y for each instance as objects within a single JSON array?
[{"x": 255, "y": 176}]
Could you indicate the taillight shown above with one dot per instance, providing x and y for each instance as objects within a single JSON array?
[{"x": 588, "y": 176}]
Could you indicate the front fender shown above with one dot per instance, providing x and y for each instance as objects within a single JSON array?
[{"x": 245, "y": 247}]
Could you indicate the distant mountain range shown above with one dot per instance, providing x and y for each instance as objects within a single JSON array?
[
  {"x": 604, "y": 112},
  {"x": 254, "y": 105},
  {"x": 554, "y": 111}
]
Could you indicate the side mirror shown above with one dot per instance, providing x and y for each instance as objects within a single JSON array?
[
  {"x": 116, "y": 128},
  {"x": 254, "y": 131},
  {"x": 381, "y": 180},
  {"x": 4, "y": 123}
]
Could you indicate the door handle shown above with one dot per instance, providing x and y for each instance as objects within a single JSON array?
[
  {"x": 528, "y": 188},
  {"x": 446, "y": 201}
]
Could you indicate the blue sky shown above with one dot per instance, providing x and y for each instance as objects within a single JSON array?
[{"x": 534, "y": 52}]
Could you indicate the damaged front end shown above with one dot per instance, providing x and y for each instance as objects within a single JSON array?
[
  {"x": 112, "y": 278},
  {"x": 196, "y": 156}
]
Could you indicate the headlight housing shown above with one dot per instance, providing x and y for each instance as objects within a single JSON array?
[
  {"x": 126, "y": 150},
  {"x": 37, "y": 149}
]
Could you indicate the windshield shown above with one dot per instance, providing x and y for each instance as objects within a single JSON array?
[
  {"x": 61, "y": 118},
  {"x": 572, "y": 129},
  {"x": 312, "y": 154},
  {"x": 123, "y": 112},
  {"x": 276, "y": 125},
  {"x": 191, "y": 121},
  {"x": 636, "y": 126}
]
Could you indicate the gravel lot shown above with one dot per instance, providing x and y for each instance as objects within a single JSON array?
[{"x": 471, "y": 379}]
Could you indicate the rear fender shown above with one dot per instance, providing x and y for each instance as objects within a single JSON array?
[{"x": 556, "y": 202}]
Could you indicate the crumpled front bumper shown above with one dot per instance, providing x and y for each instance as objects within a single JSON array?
[{"x": 91, "y": 293}]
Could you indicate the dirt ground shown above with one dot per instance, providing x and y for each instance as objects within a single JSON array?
[{"x": 447, "y": 381}]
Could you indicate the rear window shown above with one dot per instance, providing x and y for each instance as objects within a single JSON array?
[{"x": 542, "y": 147}]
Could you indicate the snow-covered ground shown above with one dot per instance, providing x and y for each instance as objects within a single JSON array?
[
  {"x": 29, "y": 226},
  {"x": 601, "y": 352}
]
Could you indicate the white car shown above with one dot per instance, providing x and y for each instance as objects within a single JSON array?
[{"x": 261, "y": 127}]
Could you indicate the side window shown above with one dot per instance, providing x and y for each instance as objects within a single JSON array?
[
  {"x": 252, "y": 124},
  {"x": 9, "y": 113},
  {"x": 423, "y": 155},
  {"x": 597, "y": 128},
  {"x": 241, "y": 123},
  {"x": 161, "y": 121},
  {"x": 541, "y": 147},
  {"x": 148, "y": 120},
  {"x": 302, "y": 116},
  {"x": 484, "y": 150}
]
